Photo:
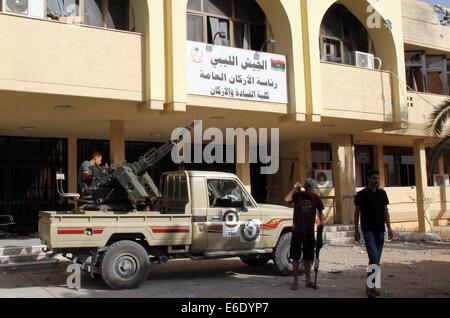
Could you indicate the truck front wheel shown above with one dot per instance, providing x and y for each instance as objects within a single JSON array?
[
  {"x": 281, "y": 255},
  {"x": 125, "y": 265}
]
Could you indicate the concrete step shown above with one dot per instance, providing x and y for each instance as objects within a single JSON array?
[
  {"x": 24, "y": 258},
  {"x": 341, "y": 241},
  {"x": 57, "y": 263},
  {"x": 341, "y": 234},
  {"x": 21, "y": 250},
  {"x": 338, "y": 228}
]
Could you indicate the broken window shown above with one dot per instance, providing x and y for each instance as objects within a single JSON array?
[
  {"x": 111, "y": 14},
  {"x": 341, "y": 34},
  {"x": 332, "y": 50},
  {"x": 62, "y": 8},
  {"x": 427, "y": 73},
  {"x": 236, "y": 23}
]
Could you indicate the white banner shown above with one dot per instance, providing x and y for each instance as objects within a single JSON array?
[{"x": 220, "y": 71}]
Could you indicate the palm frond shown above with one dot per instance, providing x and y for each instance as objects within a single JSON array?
[
  {"x": 439, "y": 150},
  {"x": 438, "y": 119}
]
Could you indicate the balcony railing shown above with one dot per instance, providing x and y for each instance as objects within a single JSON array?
[
  {"x": 357, "y": 93},
  {"x": 41, "y": 56}
]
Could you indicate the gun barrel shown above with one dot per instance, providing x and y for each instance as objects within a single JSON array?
[{"x": 153, "y": 156}]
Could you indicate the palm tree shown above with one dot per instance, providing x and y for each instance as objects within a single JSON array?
[{"x": 437, "y": 127}]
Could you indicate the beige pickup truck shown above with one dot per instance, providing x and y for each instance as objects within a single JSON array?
[{"x": 200, "y": 215}]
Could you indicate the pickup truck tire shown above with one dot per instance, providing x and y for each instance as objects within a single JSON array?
[
  {"x": 258, "y": 260},
  {"x": 125, "y": 265},
  {"x": 281, "y": 255}
]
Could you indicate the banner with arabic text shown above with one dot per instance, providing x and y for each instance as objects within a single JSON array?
[{"x": 220, "y": 71}]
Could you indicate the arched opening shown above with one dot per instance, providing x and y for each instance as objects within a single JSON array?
[
  {"x": 235, "y": 23},
  {"x": 342, "y": 35}
]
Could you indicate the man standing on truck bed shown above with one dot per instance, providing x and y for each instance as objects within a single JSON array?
[
  {"x": 371, "y": 203},
  {"x": 88, "y": 170},
  {"x": 307, "y": 206}
]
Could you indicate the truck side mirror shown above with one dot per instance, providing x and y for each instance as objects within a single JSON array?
[{"x": 244, "y": 205}]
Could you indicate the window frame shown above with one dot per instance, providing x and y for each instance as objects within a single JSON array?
[
  {"x": 231, "y": 21},
  {"x": 244, "y": 191},
  {"x": 80, "y": 18}
]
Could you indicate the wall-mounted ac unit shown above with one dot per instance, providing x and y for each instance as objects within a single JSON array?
[
  {"x": 366, "y": 60},
  {"x": 324, "y": 178},
  {"x": 29, "y": 8},
  {"x": 441, "y": 180}
]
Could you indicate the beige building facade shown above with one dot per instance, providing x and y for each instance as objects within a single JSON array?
[{"x": 362, "y": 77}]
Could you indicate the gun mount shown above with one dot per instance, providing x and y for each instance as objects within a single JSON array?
[{"x": 128, "y": 187}]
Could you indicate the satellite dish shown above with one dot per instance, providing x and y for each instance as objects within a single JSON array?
[{"x": 18, "y": 6}]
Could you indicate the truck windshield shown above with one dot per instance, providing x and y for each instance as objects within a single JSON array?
[{"x": 225, "y": 193}]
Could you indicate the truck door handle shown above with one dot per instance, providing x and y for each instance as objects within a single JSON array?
[{"x": 216, "y": 218}]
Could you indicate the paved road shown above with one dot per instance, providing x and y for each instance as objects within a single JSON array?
[{"x": 409, "y": 270}]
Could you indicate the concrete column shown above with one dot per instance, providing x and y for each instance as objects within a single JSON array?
[
  {"x": 305, "y": 161},
  {"x": 344, "y": 181},
  {"x": 379, "y": 163},
  {"x": 117, "y": 141},
  {"x": 152, "y": 27},
  {"x": 72, "y": 165},
  {"x": 175, "y": 45},
  {"x": 243, "y": 169},
  {"x": 421, "y": 185}
]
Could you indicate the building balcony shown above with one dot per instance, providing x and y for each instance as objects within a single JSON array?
[
  {"x": 356, "y": 93},
  {"x": 48, "y": 57},
  {"x": 421, "y": 26}
]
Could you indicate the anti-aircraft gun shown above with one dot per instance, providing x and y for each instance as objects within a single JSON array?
[{"x": 128, "y": 187}]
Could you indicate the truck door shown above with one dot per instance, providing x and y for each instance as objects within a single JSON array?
[{"x": 231, "y": 226}]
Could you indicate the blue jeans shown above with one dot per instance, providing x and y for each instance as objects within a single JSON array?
[{"x": 374, "y": 246}]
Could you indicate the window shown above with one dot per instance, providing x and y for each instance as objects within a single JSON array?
[
  {"x": 175, "y": 188},
  {"x": 236, "y": 23},
  {"x": 111, "y": 14},
  {"x": 332, "y": 50},
  {"x": 225, "y": 193},
  {"x": 63, "y": 8},
  {"x": 321, "y": 156},
  {"x": 341, "y": 33},
  {"x": 399, "y": 166},
  {"x": 364, "y": 162},
  {"x": 427, "y": 73}
]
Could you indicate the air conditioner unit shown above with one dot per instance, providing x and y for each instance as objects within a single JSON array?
[
  {"x": 29, "y": 8},
  {"x": 366, "y": 60},
  {"x": 441, "y": 180},
  {"x": 324, "y": 178}
]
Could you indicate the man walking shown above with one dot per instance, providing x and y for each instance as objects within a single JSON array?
[
  {"x": 308, "y": 206},
  {"x": 372, "y": 205}
]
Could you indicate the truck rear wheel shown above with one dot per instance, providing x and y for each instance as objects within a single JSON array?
[
  {"x": 125, "y": 265},
  {"x": 281, "y": 255},
  {"x": 258, "y": 260}
]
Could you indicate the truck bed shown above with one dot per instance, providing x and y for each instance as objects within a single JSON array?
[{"x": 90, "y": 229}]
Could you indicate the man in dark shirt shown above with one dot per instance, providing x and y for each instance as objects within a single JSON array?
[
  {"x": 88, "y": 169},
  {"x": 371, "y": 204},
  {"x": 308, "y": 206}
]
